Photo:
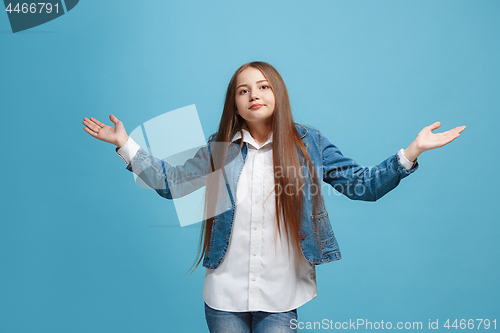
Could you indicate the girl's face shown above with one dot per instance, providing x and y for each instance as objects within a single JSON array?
[{"x": 254, "y": 97}]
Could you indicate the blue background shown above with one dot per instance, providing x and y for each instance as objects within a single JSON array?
[{"x": 83, "y": 249}]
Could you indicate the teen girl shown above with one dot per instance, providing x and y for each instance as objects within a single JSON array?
[{"x": 260, "y": 249}]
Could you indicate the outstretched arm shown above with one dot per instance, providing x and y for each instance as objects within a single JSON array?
[
  {"x": 168, "y": 181},
  {"x": 426, "y": 140},
  {"x": 372, "y": 183}
]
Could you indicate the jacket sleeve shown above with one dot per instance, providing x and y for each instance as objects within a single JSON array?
[
  {"x": 172, "y": 181},
  {"x": 358, "y": 182}
]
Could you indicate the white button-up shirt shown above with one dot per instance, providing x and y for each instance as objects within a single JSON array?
[{"x": 258, "y": 272}]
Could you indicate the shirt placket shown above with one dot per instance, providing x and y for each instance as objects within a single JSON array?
[{"x": 256, "y": 229}]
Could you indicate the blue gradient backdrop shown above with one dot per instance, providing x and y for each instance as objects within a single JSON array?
[{"x": 83, "y": 249}]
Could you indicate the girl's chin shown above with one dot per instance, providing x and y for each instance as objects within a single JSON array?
[{"x": 258, "y": 120}]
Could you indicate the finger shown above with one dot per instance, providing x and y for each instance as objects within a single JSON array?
[
  {"x": 434, "y": 126},
  {"x": 90, "y": 132},
  {"x": 91, "y": 125},
  {"x": 451, "y": 132},
  {"x": 93, "y": 121},
  {"x": 454, "y": 137},
  {"x": 451, "y": 138},
  {"x": 113, "y": 119},
  {"x": 457, "y": 129},
  {"x": 98, "y": 123}
]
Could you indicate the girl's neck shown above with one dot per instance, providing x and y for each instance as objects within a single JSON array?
[{"x": 260, "y": 133}]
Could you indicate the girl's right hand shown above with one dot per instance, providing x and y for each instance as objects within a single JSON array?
[{"x": 115, "y": 135}]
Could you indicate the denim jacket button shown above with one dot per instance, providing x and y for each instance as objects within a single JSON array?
[{"x": 302, "y": 236}]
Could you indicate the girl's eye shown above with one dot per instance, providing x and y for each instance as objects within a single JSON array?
[{"x": 242, "y": 91}]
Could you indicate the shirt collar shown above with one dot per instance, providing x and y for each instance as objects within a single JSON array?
[{"x": 247, "y": 137}]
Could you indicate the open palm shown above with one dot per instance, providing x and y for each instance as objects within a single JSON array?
[
  {"x": 427, "y": 140},
  {"x": 115, "y": 135}
]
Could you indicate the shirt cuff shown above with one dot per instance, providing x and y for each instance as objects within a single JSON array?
[
  {"x": 404, "y": 161},
  {"x": 128, "y": 150}
]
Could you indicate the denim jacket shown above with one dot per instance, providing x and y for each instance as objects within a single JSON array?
[{"x": 342, "y": 173}]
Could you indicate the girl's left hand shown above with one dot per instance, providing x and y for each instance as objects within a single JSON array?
[{"x": 426, "y": 140}]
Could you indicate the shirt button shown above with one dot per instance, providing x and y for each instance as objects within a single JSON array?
[
  {"x": 256, "y": 227},
  {"x": 259, "y": 151},
  {"x": 254, "y": 278},
  {"x": 256, "y": 200},
  {"x": 257, "y": 175},
  {"x": 255, "y": 252}
]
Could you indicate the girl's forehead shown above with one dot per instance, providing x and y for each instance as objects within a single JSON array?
[{"x": 249, "y": 75}]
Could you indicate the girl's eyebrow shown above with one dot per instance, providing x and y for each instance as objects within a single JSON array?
[{"x": 241, "y": 85}]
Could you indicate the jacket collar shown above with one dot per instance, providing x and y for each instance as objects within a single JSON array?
[{"x": 301, "y": 129}]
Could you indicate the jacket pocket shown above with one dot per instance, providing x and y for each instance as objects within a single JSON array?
[{"x": 327, "y": 239}]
